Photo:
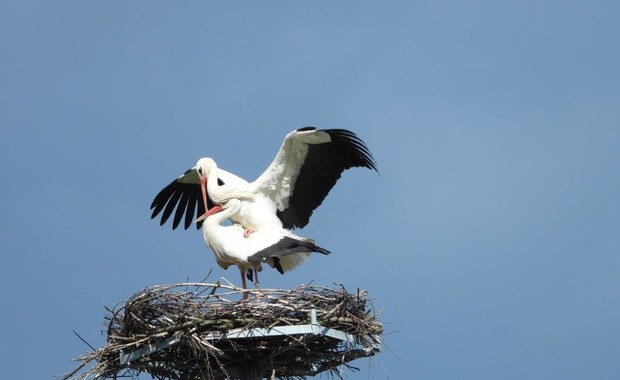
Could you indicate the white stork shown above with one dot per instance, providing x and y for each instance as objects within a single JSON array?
[
  {"x": 278, "y": 247},
  {"x": 305, "y": 169}
]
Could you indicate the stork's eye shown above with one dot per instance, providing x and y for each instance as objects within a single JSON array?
[{"x": 200, "y": 171}]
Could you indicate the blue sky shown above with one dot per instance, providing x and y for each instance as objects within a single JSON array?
[{"x": 490, "y": 239}]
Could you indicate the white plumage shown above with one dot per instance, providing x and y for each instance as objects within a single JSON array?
[{"x": 278, "y": 247}]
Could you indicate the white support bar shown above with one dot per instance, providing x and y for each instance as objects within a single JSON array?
[
  {"x": 148, "y": 350},
  {"x": 240, "y": 333}
]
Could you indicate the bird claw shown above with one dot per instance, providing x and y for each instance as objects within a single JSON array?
[{"x": 248, "y": 231}]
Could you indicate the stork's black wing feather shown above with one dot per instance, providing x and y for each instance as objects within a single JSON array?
[
  {"x": 191, "y": 209},
  {"x": 172, "y": 203},
  {"x": 181, "y": 209},
  {"x": 185, "y": 198}
]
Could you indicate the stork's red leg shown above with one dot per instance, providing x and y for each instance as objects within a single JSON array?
[
  {"x": 244, "y": 284},
  {"x": 256, "y": 282}
]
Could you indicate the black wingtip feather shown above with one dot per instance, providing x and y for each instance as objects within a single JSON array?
[
  {"x": 180, "y": 210},
  {"x": 189, "y": 212},
  {"x": 356, "y": 148}
]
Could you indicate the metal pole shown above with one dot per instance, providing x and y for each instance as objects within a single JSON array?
[
  {"x": 313, "y": 320},
  {"x": 248, "y": 370}
]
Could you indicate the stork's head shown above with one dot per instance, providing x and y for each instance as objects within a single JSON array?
[
  {"x": 199, "y": 172},
  {"x": 204, "y": 166}
]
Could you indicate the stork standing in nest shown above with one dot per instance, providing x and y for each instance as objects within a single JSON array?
[
  {"x": 276, "y": 246},
  {"x": 283, "y": 197}
]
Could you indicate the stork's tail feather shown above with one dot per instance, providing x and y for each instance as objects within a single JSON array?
[
  {"x": 287, "y": 253},
  {"x": 310, "y": 244},
  {"x": 277, "y": 265}
]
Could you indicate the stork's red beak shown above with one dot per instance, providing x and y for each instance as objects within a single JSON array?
[
  {"x": 203, "y": 189},
  {"x": 214, "y": 210}
]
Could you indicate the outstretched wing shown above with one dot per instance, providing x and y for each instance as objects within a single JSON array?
[{"x": 306, "y": 168}]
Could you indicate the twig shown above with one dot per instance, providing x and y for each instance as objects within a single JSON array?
[{"x": 85, "y": 342}]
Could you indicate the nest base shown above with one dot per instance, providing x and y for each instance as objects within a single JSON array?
[{"x": 195, "y": 331}]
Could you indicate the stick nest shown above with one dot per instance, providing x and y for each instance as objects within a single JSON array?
[{"x": 197, "y": 316}]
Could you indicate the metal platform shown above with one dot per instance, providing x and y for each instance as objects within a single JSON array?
[{"x": 253, "y": 353}]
